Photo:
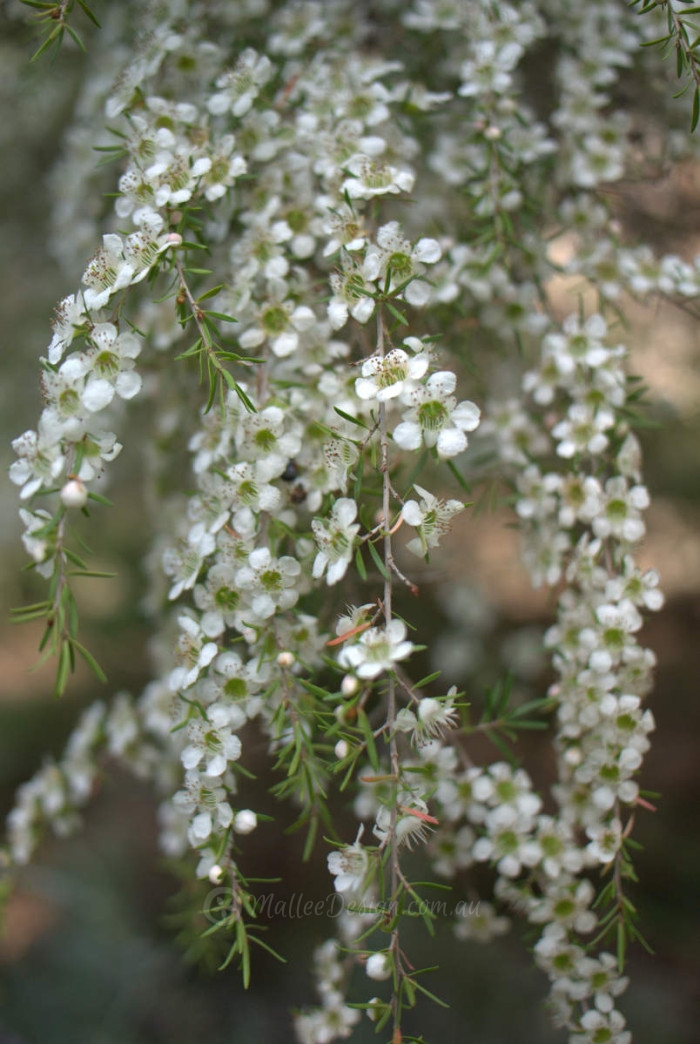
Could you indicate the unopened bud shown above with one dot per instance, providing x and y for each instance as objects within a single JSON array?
[
  {"x": 286, "y": 659},
  {"x": 341, "y": 749},
  {"x": 245, "y": 821},
  {"x": 74, "y": 494},
  {"x": 349, "y": 685}
]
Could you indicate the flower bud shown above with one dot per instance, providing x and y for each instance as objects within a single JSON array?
[
  {"x": 349, "y": 685},
  {"x": 378, "y": 966},
  {"x": 74, "y": 494},
  {"x": 245, "y": 821}
]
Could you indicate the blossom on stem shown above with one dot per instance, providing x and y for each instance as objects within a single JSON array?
[
  {"x": 335, "y": 537},
  {"x": 376, "y": 650}
]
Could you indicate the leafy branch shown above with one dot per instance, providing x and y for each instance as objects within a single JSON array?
[
  {"x": 678, "y": 38},
  {"x": 211, "y": 355},
  {"x": 52, "y": 20}
]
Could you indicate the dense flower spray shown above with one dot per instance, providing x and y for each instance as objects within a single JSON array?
[{"x": 372, "y": 194}]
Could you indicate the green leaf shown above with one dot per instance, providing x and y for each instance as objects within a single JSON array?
[
  {"x": 696, "y": 109},
  {"x": 64, "y": 666},
  {"x": 89, "y": 13},
  {"x": 76, "y": 38},
  {"x": 378, "y": 561},
  {"x": 222, "y": 316},
  {"x": 209, "y": 293},
  {"x": 92, "y": 573},
  {"x": 360, "y": 564},
  {"x": 90, "y": 661},
  {"x": 363, "y": 722},
  {"x": 55, "y": 34},
  {"x": 352, "y": 420},
  {"x": 397, "y": 314},
  {"x": 460, "y": 477}
]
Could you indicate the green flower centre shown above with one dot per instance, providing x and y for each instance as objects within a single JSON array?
[
  {"x": 508, "y": 842},
  {"x": 551, "y": 846},
  {"x": 616, "y": 509},
  {"x": 265, "y": 439},
  {"x": 226, "y": 599},
  {"x": 271, "y": 580},
  {"x": 106, "y": 364},
  {"x": 297, "y": 220},
  {"x": 564, "y": 909},
  {"x": 275, "y": 320},
  {"x": 401, "y": 266},
  {"x": 432, "y": 416},
  {"x": 236, "y": 688},
  {"x": 69, "y": 401}
]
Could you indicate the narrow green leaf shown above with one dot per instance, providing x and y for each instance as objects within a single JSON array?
[
  {"x": 56, "y": 32},
  {"x": 259, "y": 942},
  {"x": 64, "y": 659},
  {"x": 90, "y": 661},
  {"x": 222, "y": 316},
  {"x": 209, "y": 293},
  {"x": 89, "y": 13},
  {"x": 93, "y": 573},
  {"x": 460, "y": 477},
  {"x": 363, "y": 722},
  {"x": 360, "y": 564},
  {"x": 352, "y": 420},
  {"x": 399, "y": 316},
  {"x": 378, "y": 561},
  {"x": 75, "y": 559},
  {"x": 76, "y": 38}
]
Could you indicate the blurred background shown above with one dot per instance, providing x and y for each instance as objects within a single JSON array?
[{"x": 90, "y": 949}]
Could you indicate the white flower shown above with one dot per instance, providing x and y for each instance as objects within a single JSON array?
[
  {"x": 431, "y": 518},
  {"x": 195, "y": 653},
  {"x": 280, "y": 321},
  {"x": 239, "y": 88},
  {"x": 271, "y": 582},
  {"x": 395, "y": 256},
  {"x": 620, "y": 512},
  {"x": 435, "y": 418},
  {"x": 106, "y": 272},
  {"x": 207, "y": 801},
  {"x": 606, "y": 840},
  {"x": 40, "y": 461},
  {"x": 384, "y": 377},
  {"x": 335, "y": 537},
  {"x": 376, "y": 650},
  {"x": 583, "y": 430},
  {"x": 369, "y": 178},
  {"x": 111, "y": 358},
  {"x": 412, "y": 826},
  {"x": 211, "y": 741},
  {"x": 598, "y": 1026},
  {"x": 352, "y": 293},
  {"x": 261, "y": 437},
  {"x": 482, "y": 925},
  {"x": 70, "y": 313},
  {"x": 349, "y": 866}
]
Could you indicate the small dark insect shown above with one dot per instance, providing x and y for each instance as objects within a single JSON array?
[
  {"x": 298, "y": 494},
  {"x": 290, "y": 472}
]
